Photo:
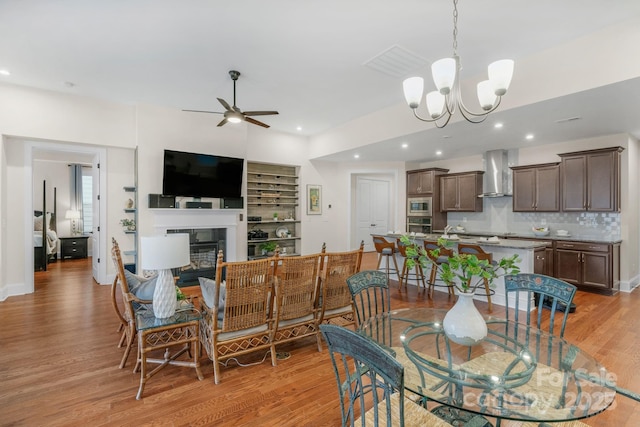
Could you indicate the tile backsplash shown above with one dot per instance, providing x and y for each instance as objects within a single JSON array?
[{"x": 498, "y": 216}]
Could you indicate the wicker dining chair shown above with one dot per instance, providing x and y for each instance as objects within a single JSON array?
[
  {"x": 371, "y": 383},
  {"x": 129, "y": 299},
  {"x": 297, "y": 294},
  {"x": 336, "y": 302},
  {"x": 245, "y": 323}
]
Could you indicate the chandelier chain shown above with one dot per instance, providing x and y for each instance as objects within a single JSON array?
[{"x": 455, "y": 27}]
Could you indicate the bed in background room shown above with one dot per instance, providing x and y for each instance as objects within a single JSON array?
[{"x": 45, "y": 237}]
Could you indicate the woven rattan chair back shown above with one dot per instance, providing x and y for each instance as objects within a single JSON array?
[
  {"x": 556, "y": 293},
  {"x": 370, "y": 294},
  {"x": 247, "y": 322},
  {"x": 371, "y": 383},
  {"x": 297, "y": 312},
  {"x": 128, "y": 299},
  {"x": 336, "y": 302}
]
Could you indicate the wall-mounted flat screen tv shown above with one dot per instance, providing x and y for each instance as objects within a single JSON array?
[{"x": 201, "y": 175}]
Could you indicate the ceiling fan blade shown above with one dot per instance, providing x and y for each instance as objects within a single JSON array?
[
  {"x": 259, "y": 113},
  {"x": 255, "y": 122},
  {"x": 222, "y": 122},
  {"x": 224, "y": 104},
  {"x": 202, "y": 111}
]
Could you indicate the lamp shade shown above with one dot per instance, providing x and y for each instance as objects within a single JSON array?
[
  {"x": 165, "y": 251},
  {"x": 71, "y": 214},
  {"x": 435, "y": 103},
  {"x": 500, "y": 74},
  {"x": 413, "y": 87},
  {"x": 486, "y": 95},
  {"x": 444, "y": 74}
]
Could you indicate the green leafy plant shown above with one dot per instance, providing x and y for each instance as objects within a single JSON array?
[
  {"x": 268, "y": 246},
  {"x": 128, "y": 222},
  {"x": 465, "y": 272}
]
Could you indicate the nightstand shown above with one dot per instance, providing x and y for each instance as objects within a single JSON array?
[{"x": 74, "y": 247}]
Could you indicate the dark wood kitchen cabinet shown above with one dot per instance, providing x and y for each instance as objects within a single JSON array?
[
  {"x": 459, "y": 192},
  {"x": 536, "y": 188},
  {"x": 591, "y": 180},
  {"x": 423, "y": 181},
  {"x": 590, "y": 266}
]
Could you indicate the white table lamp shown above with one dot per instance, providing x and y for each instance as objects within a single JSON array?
[
  {"x": 162, "y": 253},
  {"x": 74, "y": 216}
]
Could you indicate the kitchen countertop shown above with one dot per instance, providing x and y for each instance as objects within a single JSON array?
[
  {"x": 551, "y": 237},
  {"x": 512, "y": 243}
]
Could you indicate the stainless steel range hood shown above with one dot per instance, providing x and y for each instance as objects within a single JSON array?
[{"x": 497, "y": 174}]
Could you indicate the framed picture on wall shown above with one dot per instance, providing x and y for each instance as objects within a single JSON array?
[{"x": 314, "y": 199}]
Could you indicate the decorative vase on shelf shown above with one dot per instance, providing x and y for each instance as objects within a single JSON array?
[{"x": 463, "y": 323}]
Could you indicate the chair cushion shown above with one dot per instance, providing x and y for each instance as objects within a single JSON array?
[
  {"x": 386, "y": 251},
  {"x": 208, "y": 288},
  {"x": 141, "y": 287}
]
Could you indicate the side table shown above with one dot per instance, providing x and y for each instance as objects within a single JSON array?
[
  {"x": 181, "y": 329},
  {"x": 73, "y": 247}
]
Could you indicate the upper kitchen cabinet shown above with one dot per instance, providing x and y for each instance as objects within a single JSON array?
[
  {"x": 591, "y": 180},
  {"x": 459, "y": 192},
  {"x": 423, "y": 181},
  {"x": 536, "y": 188}
]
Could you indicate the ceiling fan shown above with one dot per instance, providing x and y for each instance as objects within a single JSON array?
[{"x": 234, "y": 114}]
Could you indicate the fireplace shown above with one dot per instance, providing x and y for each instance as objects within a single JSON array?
[{"x": 204, "y": 244}]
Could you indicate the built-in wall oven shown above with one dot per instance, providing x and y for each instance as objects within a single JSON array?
[
  {"x": 419, "y": 206},
  {"x": 418, "y": 224}
]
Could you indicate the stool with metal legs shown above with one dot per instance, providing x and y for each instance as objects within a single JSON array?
[
  {"x": 443, "y": 257},
  {"x": 466, "y": 248},
  {"x": 418, "y": 272},
  {"x": 387, "y": 250}
]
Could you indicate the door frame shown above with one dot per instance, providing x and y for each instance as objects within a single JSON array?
[
  {"x": 390, "y": 175},
  {"x": 100, "y": 153}
]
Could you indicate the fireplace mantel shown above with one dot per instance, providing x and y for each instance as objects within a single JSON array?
[{"x": 171, "y": 219}]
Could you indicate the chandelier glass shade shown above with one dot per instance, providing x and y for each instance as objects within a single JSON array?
[{"x": 443, "y": 102}]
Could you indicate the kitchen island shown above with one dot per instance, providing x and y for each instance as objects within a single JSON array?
[{"x": 525, "y": 249}]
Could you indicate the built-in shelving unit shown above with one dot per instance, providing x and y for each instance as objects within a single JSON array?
[
  {"x": 131, "y": 255},
  {"x": 272, "y": 208}
]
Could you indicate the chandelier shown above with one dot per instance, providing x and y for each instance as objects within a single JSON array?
[{"x": 442, "y": 104}]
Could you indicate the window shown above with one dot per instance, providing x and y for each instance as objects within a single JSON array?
[{"x": 87, "y": 200}]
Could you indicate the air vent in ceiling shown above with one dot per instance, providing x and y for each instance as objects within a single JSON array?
[{"x": 397, "y": 62}]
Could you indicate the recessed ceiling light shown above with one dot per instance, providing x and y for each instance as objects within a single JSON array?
[
  {"x": 299, "y": 128},
  {"x": 405, "y": 145},
  {"x": 498, "y": 125},
  {"x": 446, "y": 136},
  {"x": 5, "y": 72},
  {"x": 529, "y": 136},
  {"x": 438, "y": 153},
  {"x": 356, "y": 156}
]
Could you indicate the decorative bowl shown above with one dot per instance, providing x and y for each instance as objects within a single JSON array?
[{"x": 541, "y": 231}]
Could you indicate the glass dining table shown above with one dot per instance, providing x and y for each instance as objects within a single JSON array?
[{"x": 516, "y": 372}]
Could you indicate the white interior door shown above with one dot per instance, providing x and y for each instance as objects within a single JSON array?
[
  {"x": 372, "y": 209},
  {"x": 95, "y": 230}
]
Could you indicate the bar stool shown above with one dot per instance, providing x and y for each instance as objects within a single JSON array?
[
  {"x": 404, "y": 276},
  {"x": 387, "y": 250},
  {"x": 445, "y": 253},
  {"x": 466, "y": 248}
]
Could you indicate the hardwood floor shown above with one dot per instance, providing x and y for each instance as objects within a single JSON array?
[{"x": 59, "y": 364}]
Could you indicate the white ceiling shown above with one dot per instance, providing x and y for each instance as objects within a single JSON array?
[{"x": 307, "y": 59}]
